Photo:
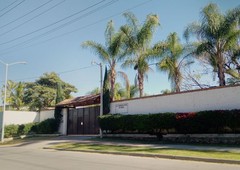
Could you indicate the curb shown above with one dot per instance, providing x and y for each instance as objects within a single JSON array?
[{"x": 209, "y": 160}]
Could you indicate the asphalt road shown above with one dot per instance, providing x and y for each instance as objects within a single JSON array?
[{"x": 34, "y": 158}]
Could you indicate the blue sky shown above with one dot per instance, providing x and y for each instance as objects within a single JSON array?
[{"x": 35, "y": 38}]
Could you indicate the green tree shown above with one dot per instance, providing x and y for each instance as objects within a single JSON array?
[
  {"x": 106, "y": 93},
  {"x": 172, "y": 60},
  {"x": 137, "y": 40},
  {"x": 110, "y": 53},
  {"x": 60, "y": 94},
  {"x": 38, "y": 97},
  {"x": 94, "y": 91},
  {"x": 15, "y": 94},
  {"x": 42, "y": 93},
  {"x": 52, "y": 79},
  {"x": 218, "y": 36}
]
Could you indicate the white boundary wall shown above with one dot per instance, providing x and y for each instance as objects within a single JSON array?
[
  {"x": 20, "y": 117},
  {"x": 46, "y": 114},
  {"x": 225, "y": 98},
  {"x": 23, "y": 117}
]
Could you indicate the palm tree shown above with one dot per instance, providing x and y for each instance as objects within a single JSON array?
[
  {"x": 137, "y": 40},
  {"x": 217, "y": 35},
  {"x": 172, "y": 60},
  {"x": 110, "y": 54},
  {"x": 15, "y": 94}
]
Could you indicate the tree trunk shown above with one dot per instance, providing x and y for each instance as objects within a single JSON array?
[
  {"x": 177, "y": 80},
  {"x": 221, "y": 75},
  {"x": 112, "y": 80},
  {"x": 220, "y": 66},
  {"x": 140, "y": 84}
]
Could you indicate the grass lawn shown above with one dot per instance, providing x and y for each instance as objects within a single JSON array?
[{"x": 148, "y": 150}]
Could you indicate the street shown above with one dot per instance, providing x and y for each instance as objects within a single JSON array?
[{"x": 32, "y": 157}]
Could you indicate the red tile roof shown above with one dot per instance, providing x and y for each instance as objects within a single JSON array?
[{"x": 80, "y": 101}]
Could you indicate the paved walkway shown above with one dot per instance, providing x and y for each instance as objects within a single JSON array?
[{"x": 86, "y": 139}]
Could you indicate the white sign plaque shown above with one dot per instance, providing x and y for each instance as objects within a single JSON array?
[{"x": 122, "y": 108}]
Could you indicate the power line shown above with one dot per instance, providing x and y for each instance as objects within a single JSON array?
[
  {"x": 12, "y": 8},
  {"x": 59, "y": 73},
  {"x": 70, "y": 22},
  {"x": 26, "y": 14},
  {"x": 8, "y": 6},
  {"x": 37, "y": 30},
  {"x": 34, "y": 17},
  {"x": 80, "y": 28}
]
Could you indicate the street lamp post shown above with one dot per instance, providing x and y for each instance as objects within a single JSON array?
[
  {"x": 101, "y": 93},
  {"x": 5, "y": 93}
]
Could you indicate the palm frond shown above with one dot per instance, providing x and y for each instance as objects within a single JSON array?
[
  {"x": 109, "y": 33},
  {"x": 132, "y": 21},
  {"x": 125, "y": 78},
  {"x": 98, "y": 49},
  {"x": 144, "y": 36},
  {"x": 192, "y": 29}
]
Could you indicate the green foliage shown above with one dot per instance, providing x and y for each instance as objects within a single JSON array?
[
  {"x": 217, "y": 40},
  {"x": 137, "y": 39},
  {"x": 94, "y": 91},
  {"x": 106, "y": 93},
  {"x": 172, "y": 60},
  {"x": 15, "y": 94},
  {"x": 42, "y": 93},
  {"x": 11, "y": 131},
  {"x": 17, "y": 130},
  {"x": 142, "y": 123},
  {"x": 58, "y": 115},
  {"x": 47, "y": 126},
  {"x": 218, "y": 121},
  {"x": 109, "y": 53},
  {"x": 25, "y": 129},
  {"x": 60, "y": 94}
]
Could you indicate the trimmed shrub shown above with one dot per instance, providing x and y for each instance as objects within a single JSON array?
[
  {"x": 47, "y": 126},
  {"x": 25, "y": 129},
  {"x": 11, "y": 131},
  {"x": 218, "y": 121}
]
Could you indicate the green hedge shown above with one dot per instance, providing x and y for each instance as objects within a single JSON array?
[
  {"x": 218, "y": 121},
  {"x": 48, "y": 126}
]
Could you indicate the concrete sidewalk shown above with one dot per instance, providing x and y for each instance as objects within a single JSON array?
[
  {"x": 88, "y": 139},
  {"x": 84, "y": 139}
]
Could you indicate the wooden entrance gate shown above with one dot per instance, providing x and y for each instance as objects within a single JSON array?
[{"x": 83, "y": 121}]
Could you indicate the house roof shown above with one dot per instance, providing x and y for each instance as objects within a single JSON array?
[{"x": 80, "y": 101}]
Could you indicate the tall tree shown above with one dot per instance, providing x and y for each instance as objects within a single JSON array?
[
  {"x": 59, "y": 93},
  {"x": 42, "y": 92},
  {"x": 218, "y": 36},
  {"x": 106, "y": 93},
  {"x": 110, "y": 53},
  {"x": 52, "y": 79},
  {"x": 15, "y": 94},
  {"x": 137, "y": 40},
  {"x": 172, "y": 60}
]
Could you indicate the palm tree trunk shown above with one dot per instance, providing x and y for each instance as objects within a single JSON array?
[
  {"x": 177, "y": 84},
  {"x": 112, "y": 81},
  {"x": 140, "y": 84},
  {"x": 221, "y": 75},
  {"x": 220, "y": 66}
]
